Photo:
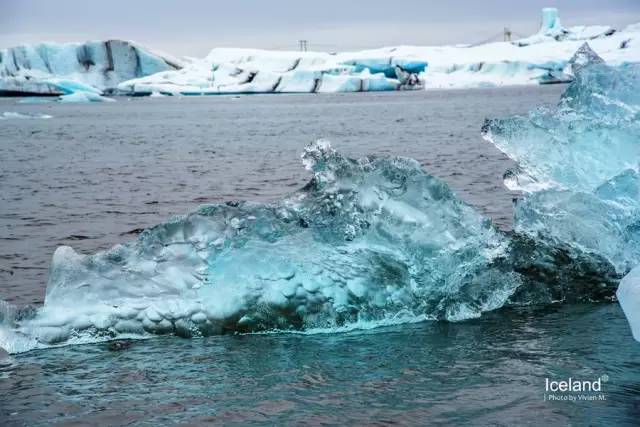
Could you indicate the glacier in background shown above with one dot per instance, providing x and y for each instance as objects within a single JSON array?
[
  {"x": 543, "y": 58},
  {"x": 540, "y": 59}
]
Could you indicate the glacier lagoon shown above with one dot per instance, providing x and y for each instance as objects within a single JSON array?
[
  {"x": 390, "y": 179},
  {"x": 384, "y": 241}
]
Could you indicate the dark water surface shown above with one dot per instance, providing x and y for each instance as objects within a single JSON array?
[
  {"x": 489, "y": 371},
  {"x": 93, "y": 174}
]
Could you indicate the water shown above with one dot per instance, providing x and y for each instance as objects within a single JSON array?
[
  {"x": 93, "y": 175},
  {"x": 486, "y": 372}
]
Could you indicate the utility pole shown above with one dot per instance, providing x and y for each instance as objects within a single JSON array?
[
  {"x": 214, "y": 67},
  {"x": 303, "y": 45},
  {"x": 507, "y": 34}
]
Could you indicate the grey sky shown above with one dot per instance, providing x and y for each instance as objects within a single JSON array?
[{"x": 195, "y": 27}]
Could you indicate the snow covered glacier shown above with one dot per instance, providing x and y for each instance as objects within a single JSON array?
[
  {"x": 539, "y": 59},
  {"x": 62, "y": 69}
]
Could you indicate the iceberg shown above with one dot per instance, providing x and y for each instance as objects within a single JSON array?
[
  {"x": 367, "y": 242},
  {"x": 629, "y": 296},
  {"x": 372, "y": 240},
  {"x": 583, "y": 57},
  {"x": 115, "y": 66},
  {"x": 77, "y": 97},
  {"x": 83, "y": 98},
  {"x": 60, "y": 69}
]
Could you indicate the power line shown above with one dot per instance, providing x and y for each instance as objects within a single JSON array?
[{"x": 507, "y": 34}]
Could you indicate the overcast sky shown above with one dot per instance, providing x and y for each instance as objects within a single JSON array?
[{"x": 195, "y": 27}]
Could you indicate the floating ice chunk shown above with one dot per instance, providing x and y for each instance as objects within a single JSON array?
[
  {"x": 83, "y": 97},
  {"x": 590, "y": 138},
  {"x": 366, "y": 241},
  {"x": 579, "y": 166},
  {"x": 14, "y": 115},
  {"x": 68, "y": 87}
]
